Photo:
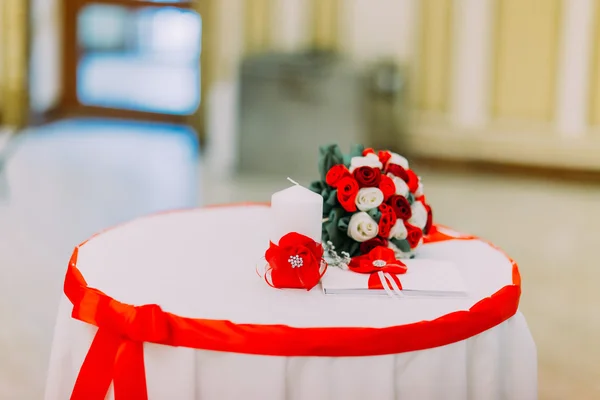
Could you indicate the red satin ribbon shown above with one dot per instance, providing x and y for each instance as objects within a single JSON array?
[
  {"x": 116, "y": 354},
  {"x": 376, "y": 283}
]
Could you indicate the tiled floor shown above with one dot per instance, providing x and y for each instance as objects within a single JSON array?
[{"x": 75, "y": 178}]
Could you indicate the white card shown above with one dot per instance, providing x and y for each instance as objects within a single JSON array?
[{"x": 423, "y": 278}]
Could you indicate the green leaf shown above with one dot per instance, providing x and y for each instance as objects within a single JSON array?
[
  {"x": 318, "y": 186},
  {"x": 329, "y": 156},
  {"x": 343, "y": 224},
  {"x": 410, "y": 198},
  {"x": 336, "y": 231},
  {"x": 375, "y": 214},
  {"x": 403, "y": 245},
  {"x": 355, "y": 151},
  {"x": 328, "y": 193}
]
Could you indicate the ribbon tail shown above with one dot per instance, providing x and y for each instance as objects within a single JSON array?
[
  {"x": 384, "y": 284},
  {"x": 96, "y": 373},
  {"x": 129, "y": 372},
  {"x": 395, "y": 283}
]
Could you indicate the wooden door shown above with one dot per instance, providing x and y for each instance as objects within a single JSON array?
[{"x": 132, "y": 59}]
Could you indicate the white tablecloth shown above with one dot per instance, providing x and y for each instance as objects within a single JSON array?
[{"x": 201, "y": 264}]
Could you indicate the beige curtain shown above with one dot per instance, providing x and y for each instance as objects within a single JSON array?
[
  {"x": 434, "y": 58},
  {"x": 526, "y": 59},
  {"x": 257, "y": 25},
  {"x": 325, "y": 24},
  {"x": 13, "y": 62},
  {"x": 595, "y": 70}
]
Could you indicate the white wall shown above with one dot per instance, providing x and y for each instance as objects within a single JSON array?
[{"x": 374, "y": 29}]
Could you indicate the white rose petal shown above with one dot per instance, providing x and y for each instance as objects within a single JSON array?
[
  {"x": 419, "y": 191},
  {"x": 401, "y": 186},
  {"x": 399, "y": 231},
  {"x": 419, "y": 215},
  {"x": 398, "y": 160},
  {"x": 362, "y": 227},
  {"x": 370, "y": 160},
  {"x": 369, "y": 198}
]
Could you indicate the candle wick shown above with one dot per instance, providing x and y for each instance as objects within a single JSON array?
[{"x": 293, "y": 181}]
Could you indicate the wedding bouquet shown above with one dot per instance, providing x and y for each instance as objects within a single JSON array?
[{"x": 370, "y": 200}]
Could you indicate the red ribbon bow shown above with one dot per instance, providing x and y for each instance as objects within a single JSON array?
[
  {"x": 380, "y": 259},
  {"x": 295, "y": 263},
  {"x": 117, "y": 353}
]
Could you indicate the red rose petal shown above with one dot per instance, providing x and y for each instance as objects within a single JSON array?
[
  {"x": 401, "y": 206},
  {"x": 384, "y": 156},
  {"x": 398, "y": 171},
  {"x": 413, "y": 181},
  {"x": 335, "y": 174},
  {"x": 387, "y": 187}
]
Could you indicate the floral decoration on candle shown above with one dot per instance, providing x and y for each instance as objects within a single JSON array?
[
  {"x": 370, "y": 199},
  {"x": 295, "y": 263}
]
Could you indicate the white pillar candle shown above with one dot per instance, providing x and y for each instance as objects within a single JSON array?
[{"x": 296, "y": 209}]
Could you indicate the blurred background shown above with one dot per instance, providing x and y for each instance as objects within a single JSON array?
[{"x": 112, "y": 109}]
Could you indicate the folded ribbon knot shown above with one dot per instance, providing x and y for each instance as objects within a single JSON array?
[{"x": 147, "y": 323}]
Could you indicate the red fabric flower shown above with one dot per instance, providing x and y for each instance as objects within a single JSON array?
[
  {"x": 368, "y": 151},
  {"x": 429, "y": 223},
  {"x": 347, "y": 190},
  {"x": 367, "y": 176},
  {"x": 335, "y": 174},
  {"x": 366, "y": 247},
  {"x": 295, "y": 263},
  {"x": 401, "y": 206},
  {"x": 387, "y": 220},
  {"x": 387, "y": 187},
  {"x": 379, "y": 259},
  {"x": 412, "y": 181},
  {"x": 414, "y": 235},
  {"x": 384, "y": 156},
  {"x": 398, "y": 171}
]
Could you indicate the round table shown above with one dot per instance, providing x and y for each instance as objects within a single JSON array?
[{"x": 205, "y": 326}]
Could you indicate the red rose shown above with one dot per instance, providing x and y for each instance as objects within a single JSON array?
[
  {"x": 429, "y": 219},
  {"x": 366, "y": 247},
  {"x": 412, "y": 181},
  {"x": 414, "y": 235},
  {"x": 387, "y": 187},
  {"x": 367, "y": 176},
  {"x": 368, "y": 151},
  {"x": 335, "y": 174},
  {"x": 398, "y": 171},
  {"x": 387, "y": 220},
  {"x": 401, "y": 206},
  {"x": 347, "y": 189},
  {"x": 384, "y": 156},
  {"x": 295, "y": 262}
]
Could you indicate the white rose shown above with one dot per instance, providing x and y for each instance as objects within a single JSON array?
[
  {"x": 370, "y": 160},
  {"x": 398, "y": 160},
  {"x": 419, "y": 191},
  {"x": 398, "y": 231},
  {"x": 401, "y": 186},
  {"x": 362, "y": 227},
  {"x": 419, "y": 215},
  {"x": 368, "y": 198}
]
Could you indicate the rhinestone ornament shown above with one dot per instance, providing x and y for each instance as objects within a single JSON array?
[
  {"x": 296, "y": 261},
  {"x": 379, "y": 263}
]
